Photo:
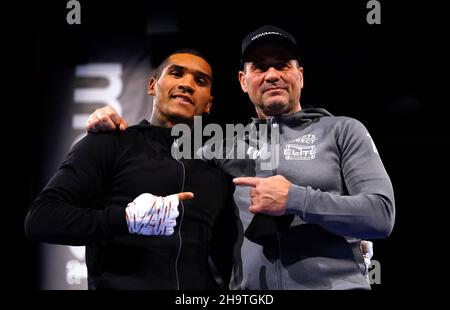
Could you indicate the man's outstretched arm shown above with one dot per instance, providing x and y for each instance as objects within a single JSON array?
[
  {"x": 72, "y": 209},
  {"x": 367, "y": 211}
]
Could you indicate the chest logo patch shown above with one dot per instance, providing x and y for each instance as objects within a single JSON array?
[{"x": 302, "y": 148}]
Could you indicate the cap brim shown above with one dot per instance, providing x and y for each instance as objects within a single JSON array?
[{"x": 275, "y": 39}]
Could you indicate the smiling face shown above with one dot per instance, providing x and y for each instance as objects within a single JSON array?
[
  {"x": 273, "y": 80},
  {"x": 182, "y": 90}
]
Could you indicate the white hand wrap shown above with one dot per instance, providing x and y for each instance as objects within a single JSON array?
[
  {"x": 152, "y": 215},
  {"x": 367, "y": 251}
]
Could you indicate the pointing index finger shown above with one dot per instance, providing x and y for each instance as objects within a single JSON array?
[
  {"x": 185, "y": 195},
  {"x": 246, "y": 181}
]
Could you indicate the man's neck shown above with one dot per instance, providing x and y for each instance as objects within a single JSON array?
[
  {"x": 155, "y": 121},
  {"x": 159, "y": 120},
  {"x": 262, "y": 115}
]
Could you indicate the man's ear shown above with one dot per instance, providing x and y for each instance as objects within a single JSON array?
[
  {"x": 241, "y": 77},
  {"x": 300, "y": 70},
  {"x": 152, "y": 86},
  {"x": 208, "y": 105}
]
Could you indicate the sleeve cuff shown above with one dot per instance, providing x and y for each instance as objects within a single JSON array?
[{"x": 296, "y": 203}]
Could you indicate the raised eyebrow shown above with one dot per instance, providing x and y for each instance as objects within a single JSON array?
[
  {"x": 197, "y": 73},
  {"x": 176, "y": 67},
  {"x": 263, "y": 64}
]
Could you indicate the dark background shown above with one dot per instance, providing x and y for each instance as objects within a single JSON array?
[{"x": 383, "y": 75}]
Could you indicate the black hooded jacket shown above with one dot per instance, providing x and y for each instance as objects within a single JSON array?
[{"x": 84, "y": 204}]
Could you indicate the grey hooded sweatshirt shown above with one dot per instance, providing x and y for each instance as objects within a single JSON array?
[{"x": 340, "y": 194}]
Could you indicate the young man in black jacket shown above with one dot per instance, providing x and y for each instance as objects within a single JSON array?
[{"x": 116, "y": 193}]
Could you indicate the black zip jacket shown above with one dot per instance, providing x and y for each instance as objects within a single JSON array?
[{"x": 84, "y": 204}]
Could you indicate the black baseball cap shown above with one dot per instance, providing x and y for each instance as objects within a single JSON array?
[{"x": 269, "y": 34}]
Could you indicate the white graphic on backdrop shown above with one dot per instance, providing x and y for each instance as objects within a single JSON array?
[{"x": 112, "y": 72}]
